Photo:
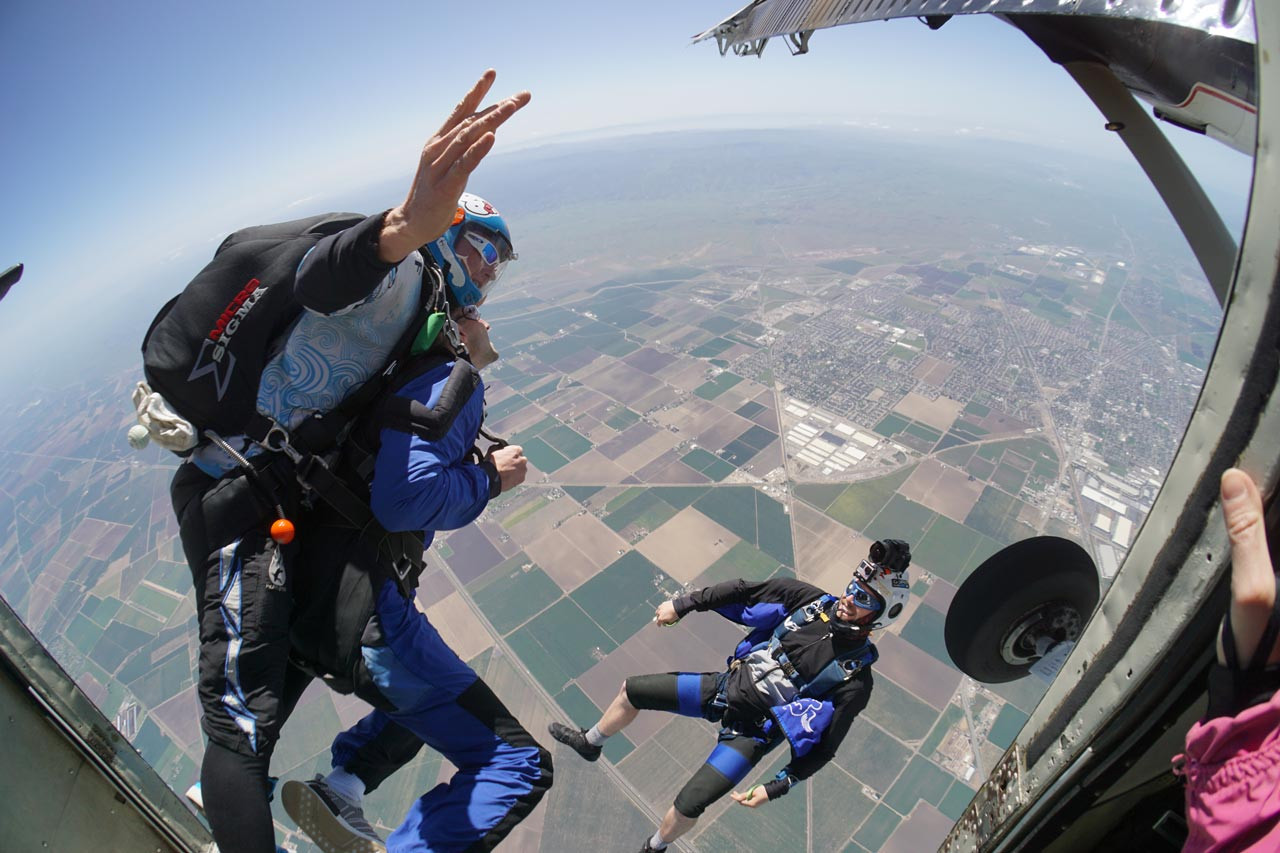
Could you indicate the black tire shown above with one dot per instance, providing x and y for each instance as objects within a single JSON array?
[{"x": 1042, "y": 579}]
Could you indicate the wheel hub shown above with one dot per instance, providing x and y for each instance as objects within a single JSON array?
[{"x": 1025, "y": 642}]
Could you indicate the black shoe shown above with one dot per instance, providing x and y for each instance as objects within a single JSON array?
[
  {"x": 648, "y": 848},
  {"x": 576, "y": 739}
]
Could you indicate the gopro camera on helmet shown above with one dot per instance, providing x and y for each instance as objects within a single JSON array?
[
  {"x": 882, "y": 576},
  {"x": 886, "y": 556}
]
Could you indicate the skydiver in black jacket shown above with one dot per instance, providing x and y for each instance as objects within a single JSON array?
[{"x": 802, "y": 675}]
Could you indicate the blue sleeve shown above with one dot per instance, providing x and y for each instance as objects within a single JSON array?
[
  {"x": 430, "y": 485},
  {"x": 342, "y": 269}
]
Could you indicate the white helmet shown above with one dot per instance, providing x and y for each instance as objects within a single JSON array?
[{"x": 882, "y": 584}]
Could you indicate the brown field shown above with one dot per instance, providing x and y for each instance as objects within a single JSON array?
[
  {"x": 641, "y": 454},
  {"x": 939, "y": 413},
  {"x": 916, "y": 670},
  {"x": 627, "y": 439},
  {"x": 692, "y": 417},
  {"x": 940, "y": 595},
  {"x": 649, "y": 360},
  {"x": 522, "y": 418},
  {"x": 685, "y": 374},
  {"x": 766, "y": 460},
  {"x": 878, "y": 272},
  {"x": 769, "y": 417},
  {"x": 590, "y": 536},
  {"x": 739, "y": 394},
  {"x": 505, "y": 546},
  {"x": 574, "y": 401},
  {"x": 665, "y": 395},
  {"x": 590, "y": 467},
  {"x": 933, "y": 370},
  {"x": 620, "y": 381},
  {"x": 179, "y": 715},
  {"x": 924, "y": 829},
  {"x": 593, "y": 429},
  {"x": 687, "y": 544},
  {"x": 533, "y": 526},
  {"x": 654, "y": 471},
  {"x": 433, "y": 586},
  {"x": 942, "y": 489},
  {"x": 602, "y": 681},
  {"x": 826, "y": 551},
  {"x": 459, "y": 626},
  {"x": 997, "y": 423},
  {"x": 561, "y": 560},
  {"x": 722, "y": 431},
  {"x": 698, "y": 643}
]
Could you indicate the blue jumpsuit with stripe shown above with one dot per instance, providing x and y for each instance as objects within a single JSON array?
[{"x": 424, "y": 686}]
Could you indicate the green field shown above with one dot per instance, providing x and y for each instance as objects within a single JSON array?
[
  {"x": 925, "y": 631},
  {"x": 996, "y": 515},
  {"x": 711, "y": 348},
  {"x": 560, "y": 644},
  {"x": 514, "y": 403},
  {"x": 542, "y": 456},
  {"x": 567, "y": 441},
  {"x": 621, "y": 597},
  {"x": 1008, "y": 478},
  {"x": 956, "y": 800},
  {"x": 646, "y": 510},
  {"x": 528, "y": 434},
  {"x": 920, "y": 780},
  {"x": 820, "y": 495},
  {"x": 838, "y": 806},
  {"x": 582, "y": 494},
  {"x": 860, "y": 502},
  {"x": 714, "y": 388},
  {"x": 1006, "y": 726},
  {"x": 898, "y": 711},
  {"x": 891, "y": 425},
  {"x": 163, "y": 679},
  {"x": 945, "y": 548},
  {"x": 718, "y": 325},
  {"x": 876, "y": 829},
  {"x": 620, "y": 418},
  {"x": 753, "y": 516},
  {"x": 901, "y": 518},
  {"x": 546, "y": 388},
  {"x": 743, "y": 560},
  {"x": 511, "y": 594},
  {"x": 525, "y": 511},
  {"x": 83, "y": 633},
  {"x": 950, "y": 716}
]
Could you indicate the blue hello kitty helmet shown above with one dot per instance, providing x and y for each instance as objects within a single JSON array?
[{"x": 473, "y": 252}]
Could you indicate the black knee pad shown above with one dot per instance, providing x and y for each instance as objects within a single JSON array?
[{"x": 689, "y": 805}]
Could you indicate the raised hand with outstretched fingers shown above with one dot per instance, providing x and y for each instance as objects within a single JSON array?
[{"x": 447, "y": 161}]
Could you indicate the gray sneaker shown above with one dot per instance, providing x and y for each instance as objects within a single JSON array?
[
  {"x": 575, "y": 739},
  {"x": 333, "y": 822}
]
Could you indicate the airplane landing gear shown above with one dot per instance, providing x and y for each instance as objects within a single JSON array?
[{"x": 1019, "y": 604}]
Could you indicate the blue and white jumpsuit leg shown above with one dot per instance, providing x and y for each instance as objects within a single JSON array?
[{"x": 502, "y": 772}]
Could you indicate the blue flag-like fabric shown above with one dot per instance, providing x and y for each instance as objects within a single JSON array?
[{"x": 803, "y": 722}]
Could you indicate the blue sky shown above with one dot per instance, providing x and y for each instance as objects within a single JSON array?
[{"x": 139, "y": 133}]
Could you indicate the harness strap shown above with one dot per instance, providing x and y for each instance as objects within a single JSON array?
[{"x": 406, "y": 565}]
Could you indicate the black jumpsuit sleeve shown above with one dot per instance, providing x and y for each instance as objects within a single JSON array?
[
  {"x": 342, "y": 269},
  {"x": 788, "y": 592}
]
